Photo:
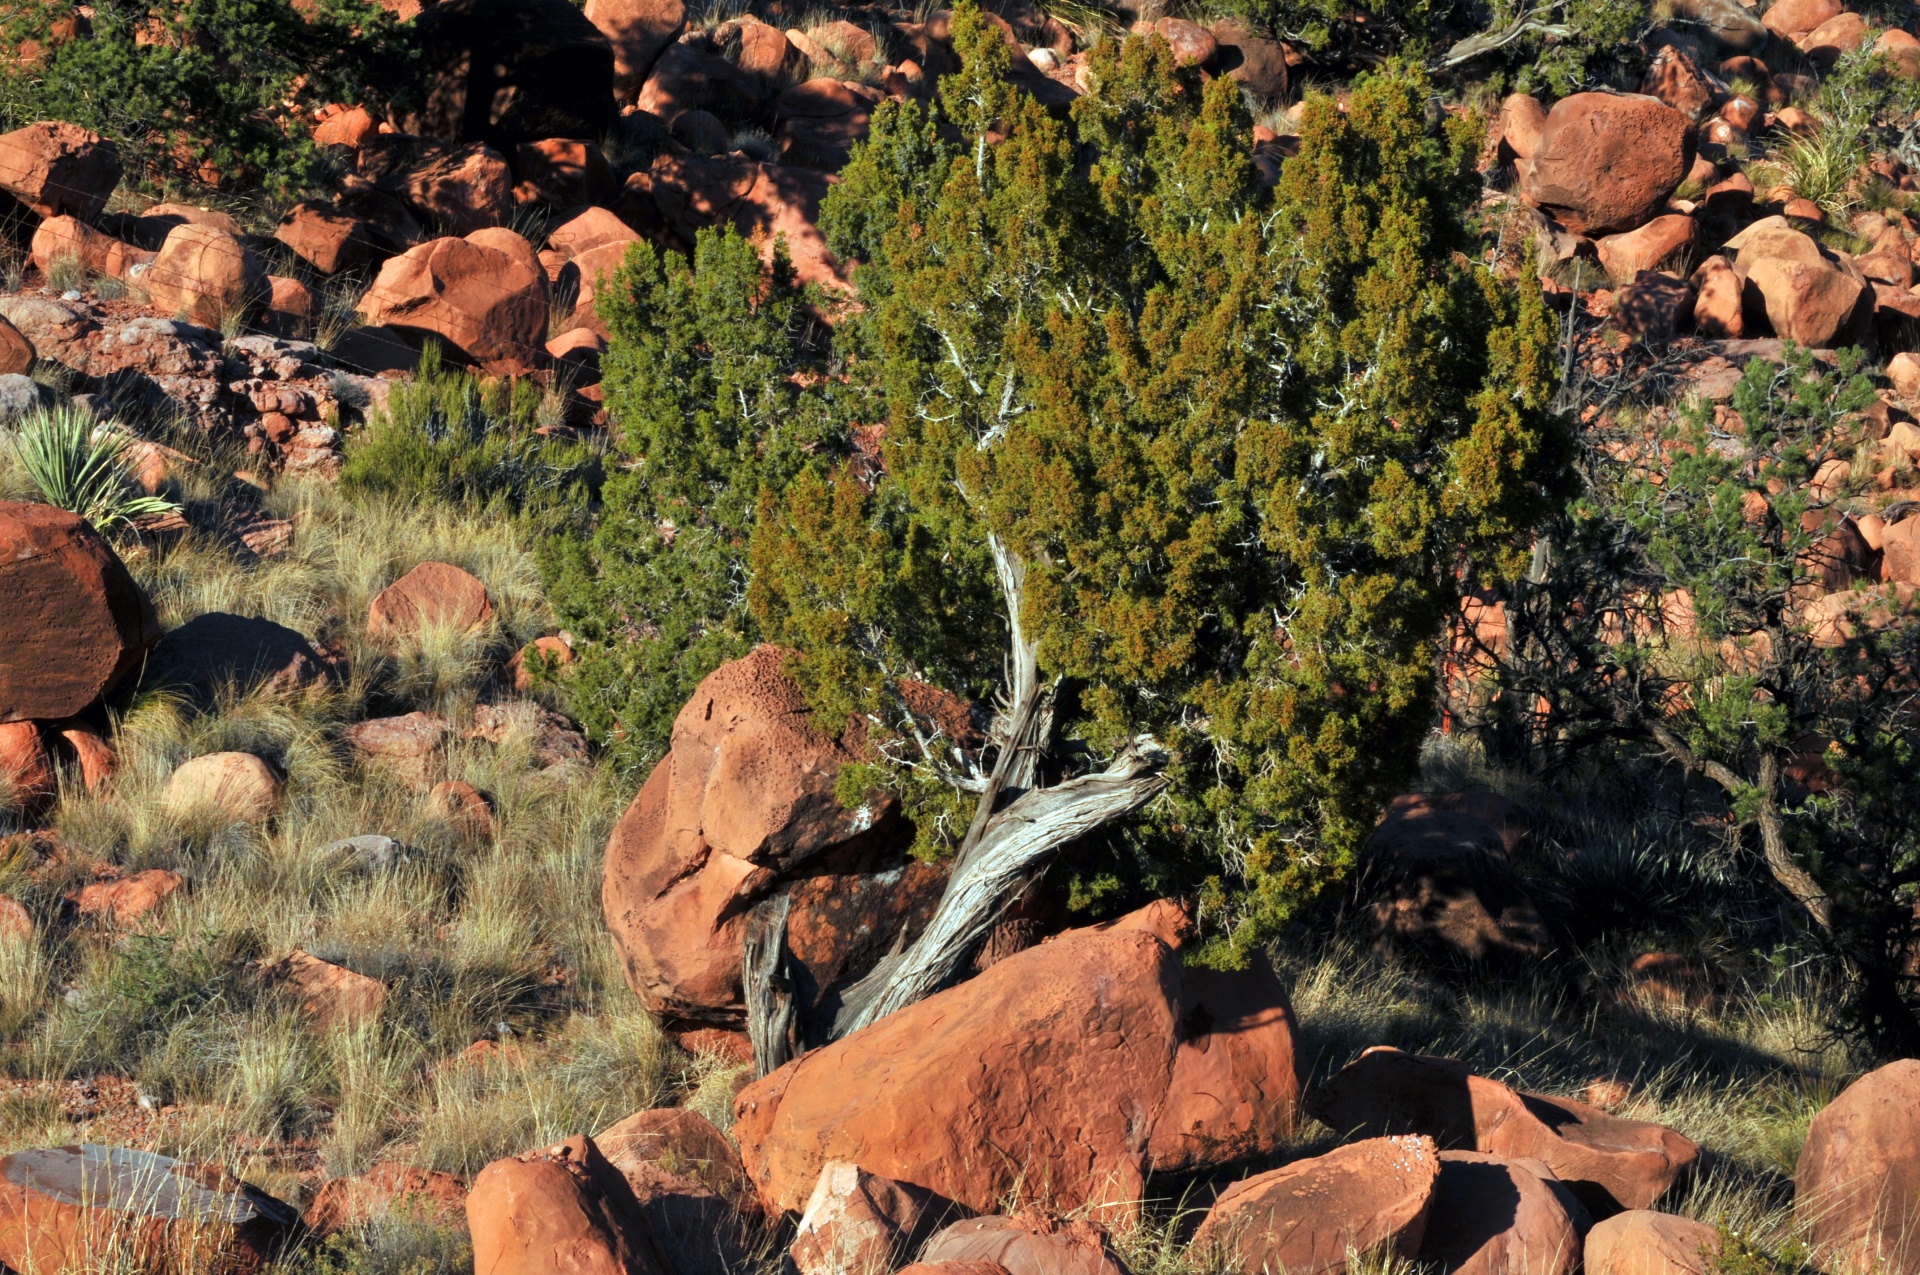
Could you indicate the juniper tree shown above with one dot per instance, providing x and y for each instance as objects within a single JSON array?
[
  {"x": 702, "y": 380},
  {"x": 1179, "y": 476}
]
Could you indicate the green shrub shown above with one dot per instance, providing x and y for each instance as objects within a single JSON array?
[
  {"x": 1677, "y": 613},
  {"x": 205, "y": 91},
  {"x": 452, "y": 435},
  {"x": 701, "y": 383},
  {"x": 80, "y": 465}
]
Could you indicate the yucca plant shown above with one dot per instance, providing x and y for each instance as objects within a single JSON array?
[{"x": 81, "y": 466}]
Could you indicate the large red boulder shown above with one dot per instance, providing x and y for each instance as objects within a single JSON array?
[
  {"x": 77, "y": 623},
  {"x": 1642, "y": 1242},
  {"x": 743, "y": 805},
  {"x": 59, "y": 169},
  {"x": 1609, "y": 1163},
  {"x": 1306, "y": 1218},
  {"x": 1607, "y": 162},
  {"x": 1051, "y": 1071},
  {"x": 488, "y": 303},
  {"x": 94, "y": 1207},
  {"x": 1857, "y": 1186},
  {"x": 1031, "y": 1242},
  {"x": 559, "y": 1211},
  {"x": 858, "y": 1223},
  {"x": 1501, "y": 1217},
  {"x": 639, "y": 31}
]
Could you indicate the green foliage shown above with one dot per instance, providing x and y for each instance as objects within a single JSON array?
[
  {"x": 1240, "y": 442},
  {"x": 703, "y": 379},
  {"x": 1696, "y": 602},
  {"x": 455, "y": 436},
  {"x": 204, "y": 89},
  {"x": 80, "y": 465}
]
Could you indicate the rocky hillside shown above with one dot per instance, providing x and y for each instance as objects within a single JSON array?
[{"x": 1075, "y": 638}]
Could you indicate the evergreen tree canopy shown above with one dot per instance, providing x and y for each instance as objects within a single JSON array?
[
  {"x": 1234, "y": 446},
  {"x": 1177, "y": 472}
]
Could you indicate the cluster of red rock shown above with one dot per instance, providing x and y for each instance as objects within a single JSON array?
[{"x": 86, "y": 628}]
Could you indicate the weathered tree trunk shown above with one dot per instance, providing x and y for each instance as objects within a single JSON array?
[
  {"x": 1016, "y": 842},
  {"x": 767, "y": 981}
]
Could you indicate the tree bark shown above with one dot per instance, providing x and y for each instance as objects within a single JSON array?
[
  {"x": 1013, "y": 846},
  {"x": 767, "y": 983},
  {"x": 1794, "y": 879}
]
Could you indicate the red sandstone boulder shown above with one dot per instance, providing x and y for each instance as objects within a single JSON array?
[
  {"x": 1607, "y": 162},
  {"x": 327, "y": 238},
  {"x": 432, "y": 595},
  {"x": 1791, "y": 19},
  {"x": 1062, "y": 1059},
  {"x": 858, "y": 1223},
  {"x": 409, "y": 745},
  {"x": 1811, "y": 303},
  {"x": 1900, "y": 551},
  {"x": 639, "y": 30},
  {"x": 684, "y": 1142},
  {"x": 1718, "y": 305},
  {"x": 1609, "y": 1163},
  {"x": 689, "y": 1184},
  {"x": 70, "y": 239},
  {"x": 1306, "y": 1218},
  {"x": 396, "y": 1190},
  {"x": 124, "y": 901},
  {"x": 457, "y": 189},
  {"x": 1640, "y": 1242},
  {"x": 1501, "y": 1217},
  {"x": 1031, "y": 1242},
  {"x": 559, "y": 1211},
  {"x": 204, "y": 275},
  {"x": 1235, "y": 1091},
  {"x": 486, "y": 302},
  {"x": 59, "y": 169},
  {"x": 1857, "y": 1186},
  {"x": 462, "y": 807},
  {"x": 27, "y": 777},
  {"x": 61, "y": 1208},
  {"x": 218, "y": 652},
  {"x": 330, "y": 995},
  {"x": 1259, "y": 63},
  {"x": 77, "y": 622},
  {"x": 562, "y": 172},
  {"x": 742, "y": 804},
  {"x": 16, "y": 923},
  {"x": 1522, "y": 120},
  {"x": 1653, "y": 245},
  {"x": 16, "y": 352},
  {"x": 762, "y": 201}
]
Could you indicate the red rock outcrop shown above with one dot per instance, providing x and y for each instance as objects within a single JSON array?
[
  {"x": 741, "y": 805},
  {"x": 1051, "y": 1070},
  {"x": 1610, "y": 1163},
  {"x": 63, "y": 1208},
  {"x": 1607, "y": 162},
  {"x": 59, "y": 169},
  {"x": 1306, "y": 1217},
  {"x": 1857, "y": 1185},
  {"x": 77, "y": 622},
  {"x": 559, "y": 1211},
  {"x": 488, "y": 304}
]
